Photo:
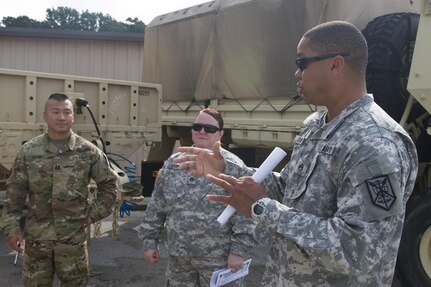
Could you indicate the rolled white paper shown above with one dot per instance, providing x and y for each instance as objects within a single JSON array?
[{"x": 259, "y": 175}]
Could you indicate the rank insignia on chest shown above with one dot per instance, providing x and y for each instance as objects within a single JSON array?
[{"x": 381, "y": 192}]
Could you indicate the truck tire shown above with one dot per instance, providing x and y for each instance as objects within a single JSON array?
[
  {"x": 391, "y": 40},
  {"x": 414, "y": 257}
]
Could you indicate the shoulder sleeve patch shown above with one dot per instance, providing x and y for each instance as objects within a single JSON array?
[
  {"x": 377, "y": 181},
  {"x": 381, "y": 192}
]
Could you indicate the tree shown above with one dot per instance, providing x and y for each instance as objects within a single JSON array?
[
  {"x": 66, "y": 18},
  {"x": 108, "y": 24},
  {"x": 135, "y": 25},
  {"x": 63, "y": 18},
  {"x": 23, "y": 21},
  {"x": 89, "y": 21}
]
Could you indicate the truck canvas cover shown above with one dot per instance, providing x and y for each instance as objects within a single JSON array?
[{"x": 242, "y": 49}]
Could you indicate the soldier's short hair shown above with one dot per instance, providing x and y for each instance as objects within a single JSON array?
[
  {"x": 216, "y": 115},
  {"x": 58, "y": 97},
  {"x": 337, "y": 37}
]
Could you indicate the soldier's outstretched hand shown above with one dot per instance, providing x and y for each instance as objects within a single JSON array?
[
  {"x": 202, "y": 161},
  {"x": 244, "y": 191}
]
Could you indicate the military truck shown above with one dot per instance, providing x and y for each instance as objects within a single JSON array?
[
  {"x": 237, "y": 56},
  {"x": 120, "y": 117}
]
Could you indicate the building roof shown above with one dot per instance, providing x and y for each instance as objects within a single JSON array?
[{"x": 70, "y": 34}]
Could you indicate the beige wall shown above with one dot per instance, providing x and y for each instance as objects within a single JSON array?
[{"x": 102, "y": 55}]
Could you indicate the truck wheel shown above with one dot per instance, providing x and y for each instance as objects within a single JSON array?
[
  {"x": 414, "y": 255},
  {"x": 391, "y": 40}
]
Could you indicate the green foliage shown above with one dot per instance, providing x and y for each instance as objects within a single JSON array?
[
  {"x": 63, "y": 18},
  {"x": 23, "y": 21},
  {"x": 135, "y": 25},
  {"x": 66, "y": 18}
]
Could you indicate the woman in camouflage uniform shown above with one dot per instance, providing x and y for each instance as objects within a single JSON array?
[{"x": 197, "y": 243}]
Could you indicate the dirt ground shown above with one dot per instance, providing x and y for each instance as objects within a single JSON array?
[{"x": 119, "y": 262}]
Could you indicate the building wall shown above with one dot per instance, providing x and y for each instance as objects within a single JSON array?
[{"x": 91, "y": 54}]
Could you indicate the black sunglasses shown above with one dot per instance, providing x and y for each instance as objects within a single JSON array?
[
  {"x": 207, "y": 128},
  {"x": 302, "y": 63}
]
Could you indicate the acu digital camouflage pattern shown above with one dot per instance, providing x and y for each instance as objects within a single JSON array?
[
  {"x": 178, "y": 200},
  {"x": 181, "y": 271},
  {"x": 333, "y": 230},
  {"x": 55, "y": 181}
]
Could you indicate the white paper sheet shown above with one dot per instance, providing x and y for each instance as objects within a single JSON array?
[{"x": 224, "y": 276}]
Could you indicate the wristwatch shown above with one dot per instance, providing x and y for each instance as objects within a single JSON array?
[{"x": 258, "y": 207}]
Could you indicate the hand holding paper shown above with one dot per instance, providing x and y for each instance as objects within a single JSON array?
[
  {"x": 224, "y": 276},
  {"x": 265, "y": 168}
]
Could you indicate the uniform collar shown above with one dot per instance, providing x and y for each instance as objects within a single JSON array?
[
  {"x": 49, "y": 146},
  {"x": 335, "y": 123}
]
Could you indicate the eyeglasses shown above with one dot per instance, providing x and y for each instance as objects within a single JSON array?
[
  {"x": 302, "y": 63},
  {"x": 207, "y": 128}
]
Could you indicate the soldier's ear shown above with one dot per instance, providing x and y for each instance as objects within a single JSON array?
[{"x": 338, "y": 64}]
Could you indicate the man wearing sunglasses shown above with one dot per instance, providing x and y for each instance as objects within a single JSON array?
[
  {"x": 335, "y": 212},
  {"x": 197, "y": 244}
]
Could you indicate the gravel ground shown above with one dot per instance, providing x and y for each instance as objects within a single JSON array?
[{"x": 119, "y": 262}]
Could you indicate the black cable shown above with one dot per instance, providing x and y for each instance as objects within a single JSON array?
[{"x": 80, "y": 102}]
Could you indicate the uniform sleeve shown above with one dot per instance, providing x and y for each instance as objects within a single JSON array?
[
  {"x": 237, "y": 168},
  {"x": 242, "y": 238},
  {"x": 155, "y": 214},
  {"x": 274, "y": 184},
  {"x": 106, "y": 181},
  {"x": 371, "y": 202},
  {"x": 17, "y": 189}
]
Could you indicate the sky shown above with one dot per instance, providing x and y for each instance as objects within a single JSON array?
[{"x": 120, "y": 10}]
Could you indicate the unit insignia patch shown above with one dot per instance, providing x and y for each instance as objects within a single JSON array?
[{"x": 381, "y": 192}]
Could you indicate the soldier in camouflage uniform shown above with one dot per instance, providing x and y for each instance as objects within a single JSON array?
[
  {"x": 198, "y": 245},
  {"x": 54, "y": 170},
  {"x": 335, "y": 213}
]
